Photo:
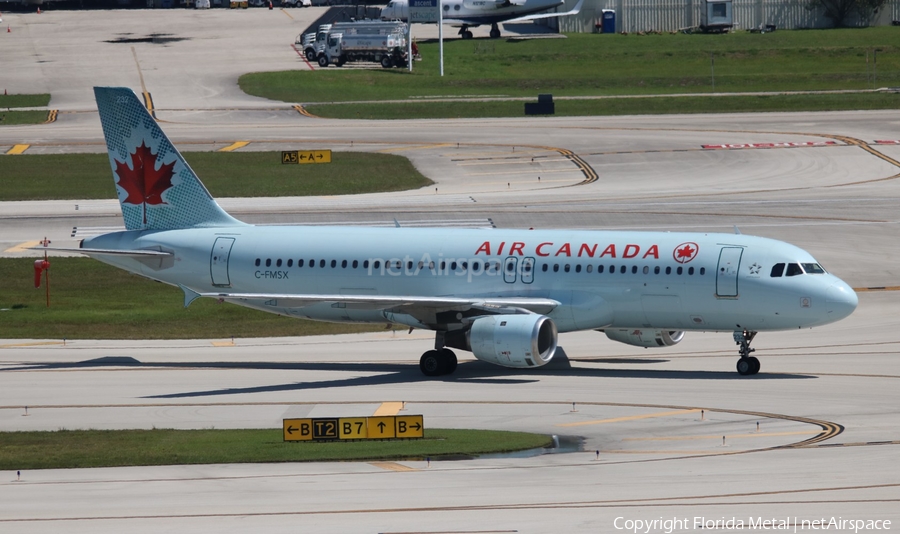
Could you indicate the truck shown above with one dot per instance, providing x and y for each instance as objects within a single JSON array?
[
  {"x": 313, "y": 44},
  {"x": 380, "y": 42}
]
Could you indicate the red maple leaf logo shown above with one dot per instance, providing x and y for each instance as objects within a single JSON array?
[
  {"x": 143, "y": 182},
  {"x": 685, "y": 252}
]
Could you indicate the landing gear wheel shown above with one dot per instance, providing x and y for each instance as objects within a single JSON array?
[
  {"x": 431, "y": 363},
  {"x": 323, "y": 61},
  {"x": 386, "y": 62},
  {"x": 754, "y": 365},
  {"x": 495, "y": 32},
  {"x": 467, "y": 34},
  {"x": 747, "y": 365},
  {"x": 449, "y": 360}
]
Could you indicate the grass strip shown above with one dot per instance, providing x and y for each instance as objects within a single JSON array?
[
  {"x": 92, "y": 300},
  {"x": 65, "y": 449},
  {"x": 614, "y": 106},
  {"x": 591, "y": 64},
  {"x": 13, "y": 118},
  {"x": 225, "y": 174},
  {"x": 25, "y": 101}
]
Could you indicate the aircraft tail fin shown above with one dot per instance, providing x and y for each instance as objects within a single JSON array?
[{"x": 156, "y": 187}]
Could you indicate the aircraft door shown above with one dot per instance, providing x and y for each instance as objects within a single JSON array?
[
  {"x": 527, "y": 271},
  {"x": 727, "y": 273},
  {"x": 509, "y": 269},
  {"x": 218, "y": 261}
]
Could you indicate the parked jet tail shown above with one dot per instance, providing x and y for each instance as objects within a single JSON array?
[{"x": 156, "y": 187}]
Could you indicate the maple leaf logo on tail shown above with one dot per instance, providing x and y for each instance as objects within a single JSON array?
[{"x": 143, "y": 182}]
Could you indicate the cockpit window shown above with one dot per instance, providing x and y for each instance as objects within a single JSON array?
[
  {"x": 777, "y": 270},
  {"x": 793, "y": 269},
  {"x": 813, "y": 268}
]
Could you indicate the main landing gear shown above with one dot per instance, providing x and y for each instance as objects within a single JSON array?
[
  {"x": 495, "y": 31},
  {"x": 438, "y": 362},
  {"x": 465, "y": 32},
  {"x": 747, "y": 365}
]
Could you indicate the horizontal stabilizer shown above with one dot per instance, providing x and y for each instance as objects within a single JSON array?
[{"x": 108, "y": 252}]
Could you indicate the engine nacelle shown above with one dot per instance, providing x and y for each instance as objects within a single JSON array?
[
  {"x": 645, "y": 338},
  {"x": 518, "y": 341}
]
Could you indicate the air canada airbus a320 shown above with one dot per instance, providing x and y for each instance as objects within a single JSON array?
[{"x": 502, "y": 294}]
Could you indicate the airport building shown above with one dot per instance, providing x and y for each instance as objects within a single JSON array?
[{"x": 674, "y": 15}]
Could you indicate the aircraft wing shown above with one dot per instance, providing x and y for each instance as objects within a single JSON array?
[
  {"x": 398, "y": 303},
  {"x": 575, "y": 10}
]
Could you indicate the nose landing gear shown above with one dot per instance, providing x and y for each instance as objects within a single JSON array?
[{"x": 747, "y": 365}]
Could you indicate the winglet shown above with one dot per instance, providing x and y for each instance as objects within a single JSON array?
[
  {"x": 737, "y": 230},
  {"x": 189, "y": 295}
]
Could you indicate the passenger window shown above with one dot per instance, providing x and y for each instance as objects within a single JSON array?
[
  {"x": 366, "y": 264},
  {"x": 777, "y": 270},
  {"x": 376, "y": 265},
  {"x": 544, "y": 267},
  {"x": 268, "y": 263},
  {"x": 578, "y": 268},
  {"x": 333, "y": 264},
  {"x": 599, "y": 269},
  {"x": 656, "y": 270},
  {"x": 312, "y": 263},
  {"x": 290, "y": 263},
  {"x": 453, "y": 266},
  {"x": 612, "y": 269},
  {"x": 622, "y": 269},
  {"x": 793, "y": 269},
  {"x": 555, "y": 267},
  {"x": 278, "y": 263},
  {"x": 691, "y": 271},
  {"x": 668, "y": 270},
  {"x": 590, "y": 268},
  {"x": 322, "y": 263},
  {"x": 257, "y": 262},
  {"x": 634, "y": 269},
  {"x": 567, "y": 267},
  {"x": 355, "y": 264},
  {"x": 680, "y": 270},
  {"x": 702, "y": 271},
  {"x": 344, "y": 264}
]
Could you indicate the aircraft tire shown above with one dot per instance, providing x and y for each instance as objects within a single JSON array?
[
  {"x": 745, "y": 367},
  {"x": 495, "y": 34},
  {"x": 467, "y": 34},
  {"x": 754, "y": 365},
  {"x": 431, "y": 363},
  {"x": 449, "y": 361}
]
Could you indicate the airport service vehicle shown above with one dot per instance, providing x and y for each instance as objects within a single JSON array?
[
  {"x": 474, "y": 13},
  {"x": 503, "y": 294},
  {"x": 312, "y": 48},
  {"x": 307, "y": 43},
  {"x": 386, "y": 45}
]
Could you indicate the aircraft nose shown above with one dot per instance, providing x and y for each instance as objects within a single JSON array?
[{"x": 840, "y": 300}]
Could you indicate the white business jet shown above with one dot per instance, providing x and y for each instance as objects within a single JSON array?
[{"x": 473, "y": 13}]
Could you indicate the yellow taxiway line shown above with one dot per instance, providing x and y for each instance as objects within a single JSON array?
[
  {"x": 17, "y": 149},
  {"x": 234, "y": 146},
  {"x": 388, "y": 408},
  {"x": 630, "y": 418},
  {"x": 22, "y": 247}
]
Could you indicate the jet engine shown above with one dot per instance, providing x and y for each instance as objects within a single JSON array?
[
  {"x": 645, "y": 338},
  {"x": 518, "y": 341}
]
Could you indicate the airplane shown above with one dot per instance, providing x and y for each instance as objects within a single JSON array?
[
  {"x": 473, "y": 13},
  {"x": 503, "y": 294}
]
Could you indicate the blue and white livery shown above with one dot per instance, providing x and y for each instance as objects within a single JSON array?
[{"x": 504, "y": 295}]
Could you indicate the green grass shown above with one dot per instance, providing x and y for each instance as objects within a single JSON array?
[
  {"x": 235, "y": 174},
  {"x": 24, "y": 101},
  {"x": 629, "y": 106},
  {"x": 12, "y": 118},
  {"x": 590, "y": 65},
  {"x": 112, "y": 448},
  {"x": 91, "y": 300}
]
